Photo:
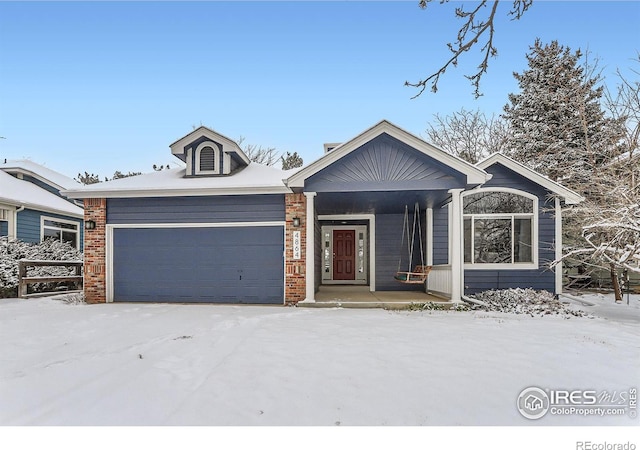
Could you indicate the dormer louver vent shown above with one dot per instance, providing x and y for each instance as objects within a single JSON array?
[{"x": 207, "y": 159}]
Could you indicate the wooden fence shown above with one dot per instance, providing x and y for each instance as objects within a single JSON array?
[{"x": 24, "y": 280}]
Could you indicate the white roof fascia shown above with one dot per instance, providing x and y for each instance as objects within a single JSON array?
[
  {"x": 570, "y": 197},
  {"x": 43, "y": 208},
  {"x": 474, "y": 174},
  {"x": 177, "y": 148},
  {"x": 46, "y": 209},
  {"x": 175, "y": 192},
  {"x": 17, "y": 169}
]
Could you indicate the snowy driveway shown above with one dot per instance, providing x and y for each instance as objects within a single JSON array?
[{"x": 217, "y": 365}]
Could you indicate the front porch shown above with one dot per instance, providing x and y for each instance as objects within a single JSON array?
[
  {"x": 331, "y": 296},
  {"x": 381, "y": 203}
]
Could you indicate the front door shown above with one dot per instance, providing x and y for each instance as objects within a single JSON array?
[{"x": 344, "y": 255}]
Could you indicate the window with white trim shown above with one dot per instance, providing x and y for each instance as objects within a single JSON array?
[
  {"x": 500, "y": 228},
  {"x": 60, "y": 230}
]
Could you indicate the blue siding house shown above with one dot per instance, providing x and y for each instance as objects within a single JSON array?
[
  {"x": 223, "y": 229},
  {"x": 32, "y": 208}
]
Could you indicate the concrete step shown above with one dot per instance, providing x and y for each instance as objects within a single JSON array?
[{"x": 395, "y": 305}]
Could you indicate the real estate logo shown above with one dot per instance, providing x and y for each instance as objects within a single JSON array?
[{"x": 534, "y": 402}]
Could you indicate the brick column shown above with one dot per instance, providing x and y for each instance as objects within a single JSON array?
[
  {"x": 295, "y": 280},
  {"x": 94, "y": 251}
]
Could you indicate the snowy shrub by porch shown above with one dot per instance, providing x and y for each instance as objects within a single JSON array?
[
  {"x": 524, "y": 301},
  {"x": 50, "y": 250},
  {"x": 76, "y": 298}
]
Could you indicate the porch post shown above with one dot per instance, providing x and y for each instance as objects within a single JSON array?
[
  {"x": 429, "y": 249},
  {"x": 457, "y": 257},
  {"x": 558, "y": 267},
  {"x": 310, "y": 249}
]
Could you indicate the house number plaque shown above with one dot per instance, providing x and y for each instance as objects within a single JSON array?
[{"x": 296, "y": 245}]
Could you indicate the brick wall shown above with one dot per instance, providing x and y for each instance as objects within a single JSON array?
[
  {"x": 94, "y": 251},
  {"x": 295, "y": 280}
]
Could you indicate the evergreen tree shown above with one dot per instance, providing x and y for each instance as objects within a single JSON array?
[
  {"x": 558, "y": 126},
  {"x": 291, "y": 161}
]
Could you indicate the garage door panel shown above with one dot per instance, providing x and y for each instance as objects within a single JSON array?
[{"x": 218, "y": 265}]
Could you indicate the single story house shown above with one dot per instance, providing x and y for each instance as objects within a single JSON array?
[
  {"x": 225, "y": 229},
  {"x": 32, "y": 208}
]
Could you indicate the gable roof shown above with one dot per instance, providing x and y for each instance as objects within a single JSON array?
[
  {"x": 19, "y": 193},
  {"x": 570, "y": 197},
  {"x": 474, "y": 174},
  {"x": 39, "y": 172},
  {"x": 253, "y": 179},
  {"x": 229, "y": 145}
]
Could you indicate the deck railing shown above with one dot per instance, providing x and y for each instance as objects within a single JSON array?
[
  {"x": 24, "y": 280},
  {"x": 439, "y": 280}
]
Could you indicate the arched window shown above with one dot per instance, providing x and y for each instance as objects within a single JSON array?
[{"x": 500, "y": 227}]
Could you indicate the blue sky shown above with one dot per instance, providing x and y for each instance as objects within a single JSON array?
[{"x": 108, "y": 86}]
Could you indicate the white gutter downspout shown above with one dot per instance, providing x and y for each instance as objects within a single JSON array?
[{"x": 13, "y": 229}]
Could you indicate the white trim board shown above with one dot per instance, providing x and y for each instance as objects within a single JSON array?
[
  {"x": 177, "y": 192},
  {"x": 197, "y": 225},
  {"x": 570, "y": 197}
]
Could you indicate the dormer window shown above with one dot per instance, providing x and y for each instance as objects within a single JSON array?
[
  {"x": 209, "y": 154},
  {"x": 207, "y": 159}
]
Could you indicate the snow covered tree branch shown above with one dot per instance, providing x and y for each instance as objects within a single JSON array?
[{"x": 614, "y": 236}]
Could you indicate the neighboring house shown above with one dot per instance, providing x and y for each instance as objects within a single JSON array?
[
  {"x": 32, "y": 208},
  {"x": 225, "y": 229}
]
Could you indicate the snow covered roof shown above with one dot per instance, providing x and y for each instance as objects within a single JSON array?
[
  {"x": 23, "y": 193},
  {"x": 253, "y": 179},
  {"x": 40, "y": 172},
  {"x": 570, "y": 197}
]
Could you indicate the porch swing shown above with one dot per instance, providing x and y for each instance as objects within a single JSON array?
[{"x": 420, "y": 272}]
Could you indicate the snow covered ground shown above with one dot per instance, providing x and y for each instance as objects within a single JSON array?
[{"x": 158, "y": 364}]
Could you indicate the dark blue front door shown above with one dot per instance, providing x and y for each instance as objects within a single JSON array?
[{"x": 206, "y": 265}]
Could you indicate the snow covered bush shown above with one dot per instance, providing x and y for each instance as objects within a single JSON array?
[
  {"x": 76, "y": 298},
  {"x": 50, "y": 250},
  {"x": 524, "y": 301}
]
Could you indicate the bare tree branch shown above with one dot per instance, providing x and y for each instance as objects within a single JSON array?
[
  {"x": 259, "y": 154},
  {"x": 470, "y": 34},
  {"x": 470, "y": 135}
]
